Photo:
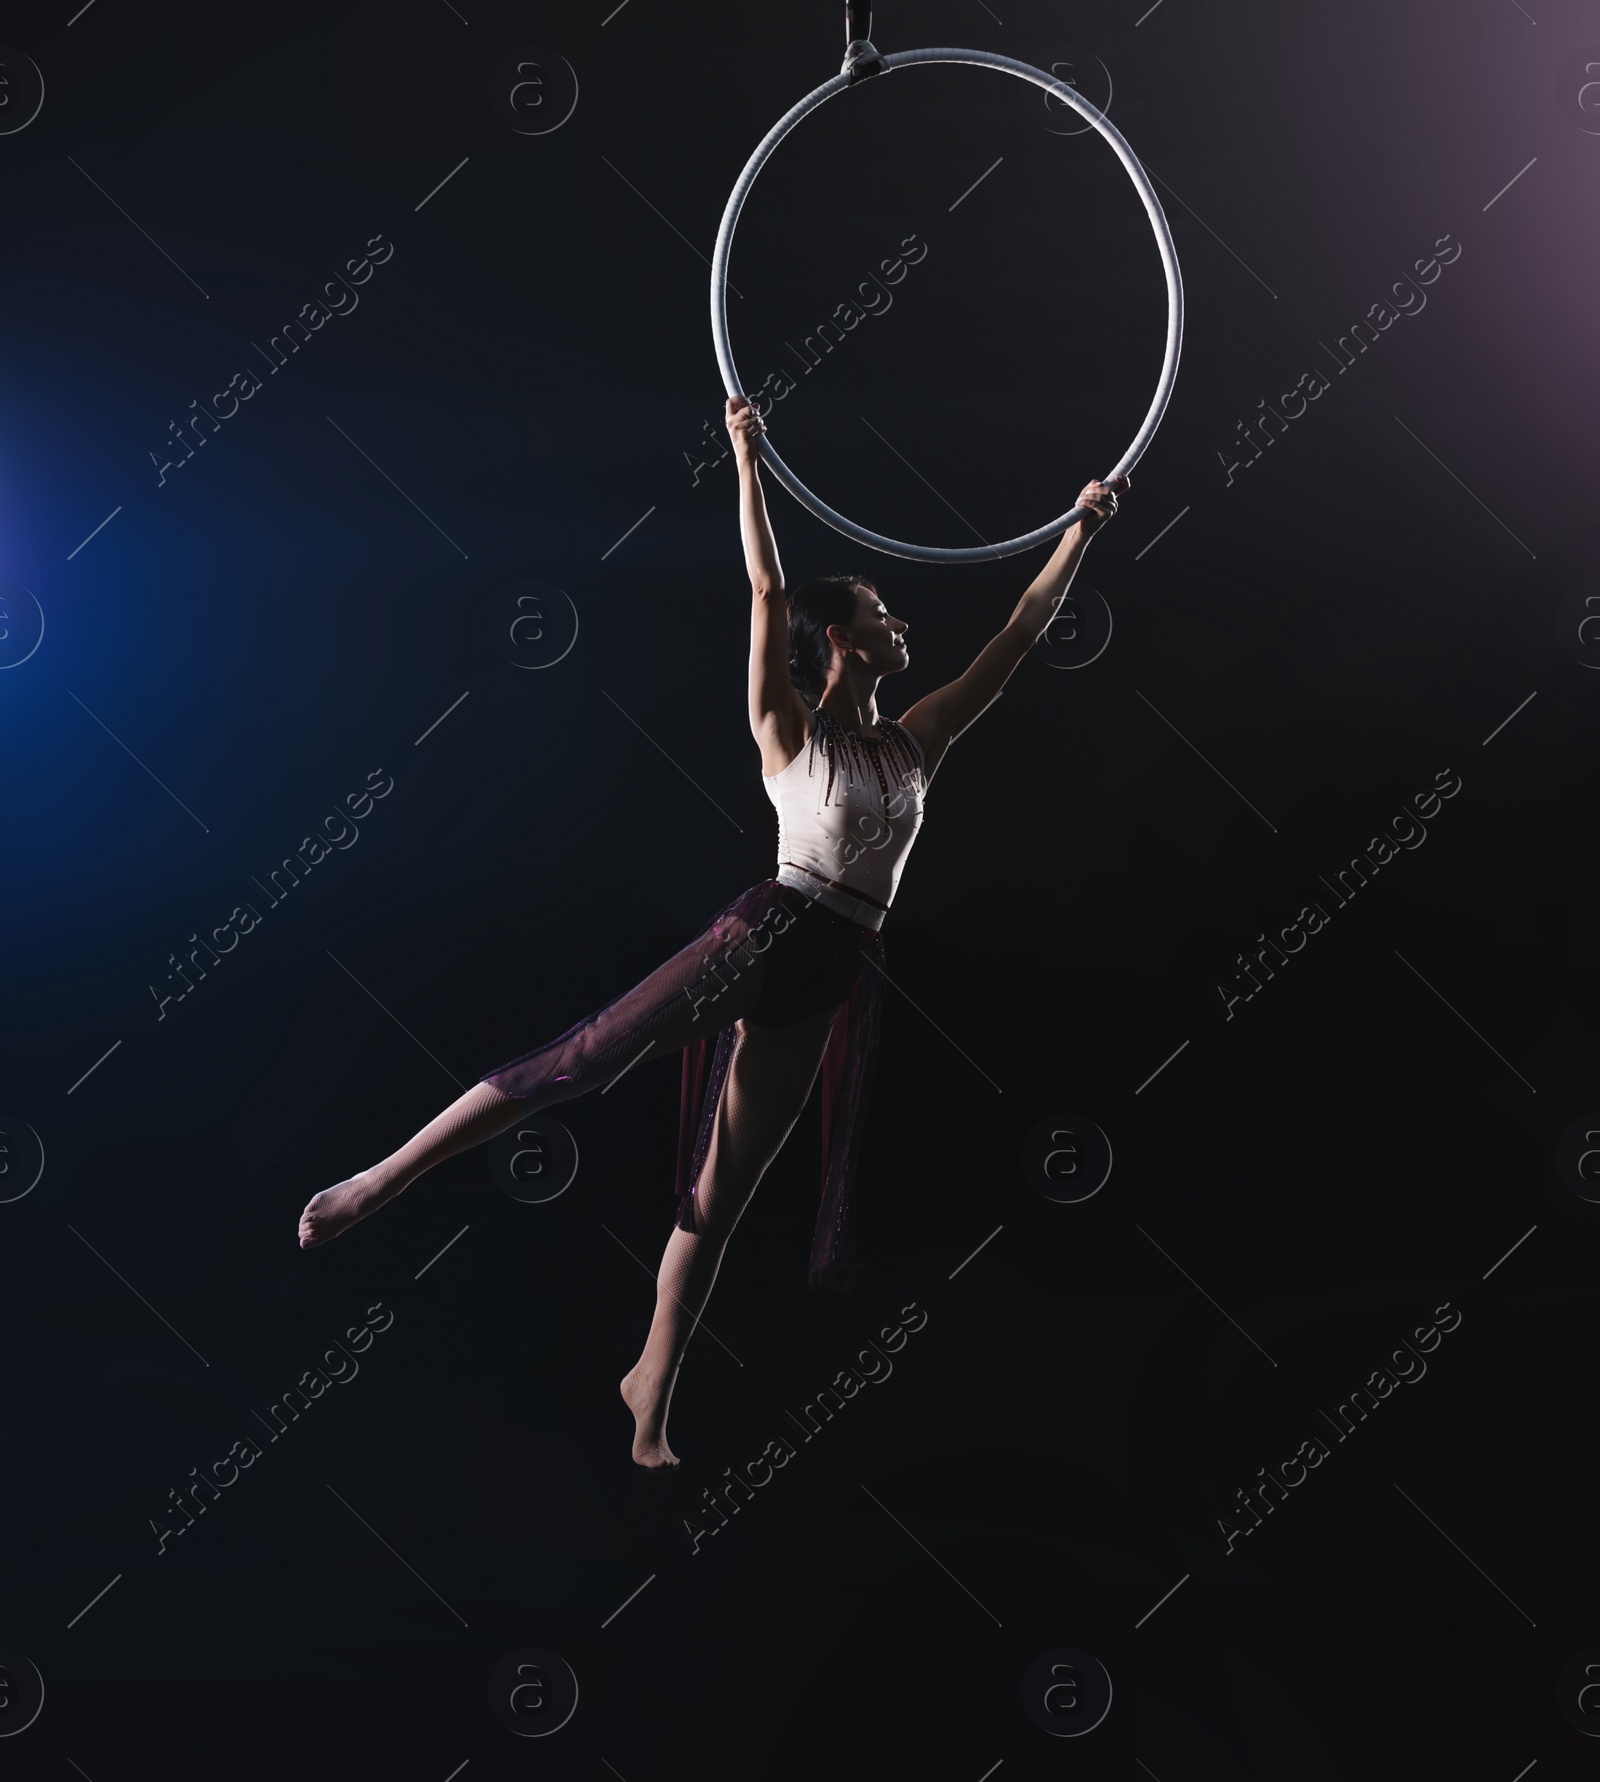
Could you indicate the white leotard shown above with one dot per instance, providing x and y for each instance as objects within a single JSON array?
[{"x": 849, "y": 808}]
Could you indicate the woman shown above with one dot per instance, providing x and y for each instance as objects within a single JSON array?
[{"x": 786, "y": 980}]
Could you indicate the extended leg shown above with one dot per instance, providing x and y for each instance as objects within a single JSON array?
[
  {"x": 711, "y": 982},
  {"x": 769, "y": 1078},
  {"x": 481, "y": 1114}
]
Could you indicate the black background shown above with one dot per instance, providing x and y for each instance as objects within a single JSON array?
[{"x": 1320, "y": 634}]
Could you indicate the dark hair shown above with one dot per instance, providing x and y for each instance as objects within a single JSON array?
[{"x": 815, "y": 605}]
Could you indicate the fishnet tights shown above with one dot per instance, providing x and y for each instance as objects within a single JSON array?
[
  {"x": 714, "y": 980},
  {"x": 770, "y": 1077}
]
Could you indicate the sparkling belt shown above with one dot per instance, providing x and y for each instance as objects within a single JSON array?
[{"x": 832, "y": 897}]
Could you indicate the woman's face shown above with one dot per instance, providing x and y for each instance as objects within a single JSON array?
[{"x": 874, "y": 635}]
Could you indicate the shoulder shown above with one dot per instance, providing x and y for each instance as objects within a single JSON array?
[
  {"x": 779, "y": 754},
  {"x": 898, "y": 728},
  {"x": 907, "y": 736},
  {"x": 921, "y": 724},
  {"x": 923, "y": 741}
]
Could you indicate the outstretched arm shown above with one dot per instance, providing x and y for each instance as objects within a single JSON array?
[
  {"x": 777, "y": 712},
  {"x": 938, "y": 718}
]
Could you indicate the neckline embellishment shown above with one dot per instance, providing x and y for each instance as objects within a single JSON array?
[
  {"x": 858, "y": 735},
  {"x": 853, "y": 758}
]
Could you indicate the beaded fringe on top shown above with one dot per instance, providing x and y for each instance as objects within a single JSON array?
[{"x": 857, "y": 756}]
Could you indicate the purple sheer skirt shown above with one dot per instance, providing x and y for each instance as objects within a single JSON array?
[{"x": 770, "y": 957}]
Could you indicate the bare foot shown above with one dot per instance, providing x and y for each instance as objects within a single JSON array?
[
  {"x": 642, "y": 1394},
  {"x": 328, "y": 1213}
]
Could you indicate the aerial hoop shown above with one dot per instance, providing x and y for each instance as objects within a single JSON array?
[{"x": 862, "y": 61}]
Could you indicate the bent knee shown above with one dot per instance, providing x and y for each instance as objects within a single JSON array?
[{"x": 796, "y": 1026}]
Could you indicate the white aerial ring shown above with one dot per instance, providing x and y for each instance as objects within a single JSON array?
[{"x": 1169, "y": 264}]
